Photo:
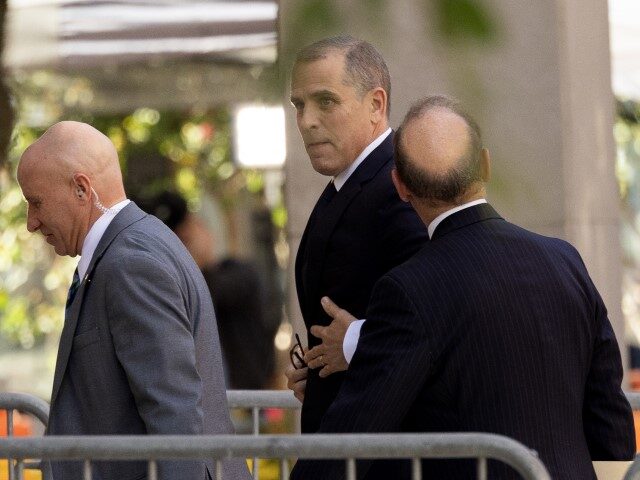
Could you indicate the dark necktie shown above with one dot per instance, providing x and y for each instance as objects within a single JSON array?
[
  {"x": 73, "y": 288},
  {"x": 323, "y": 202},
  {"x": 326, "y": 197}
]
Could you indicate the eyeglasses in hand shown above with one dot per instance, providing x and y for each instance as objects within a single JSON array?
[{"x": 296, "y": 354}]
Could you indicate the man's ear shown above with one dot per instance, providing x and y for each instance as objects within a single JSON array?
[
  {"x": 378, "y": 104},
  {"x": 81, "y": 186},
  {"x": 403, "y": 191},
  {"x": 485, "y": 165}
]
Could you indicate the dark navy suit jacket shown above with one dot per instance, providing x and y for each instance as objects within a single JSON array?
[
  {"x": 361, "y": 234},
  {"x": 489, "y": 328}
]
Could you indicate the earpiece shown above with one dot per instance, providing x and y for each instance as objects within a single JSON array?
[
  {"x": 79, "y": 192},
  {"x": 100, "y": 206}
]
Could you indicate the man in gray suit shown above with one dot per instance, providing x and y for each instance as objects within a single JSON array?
[{"x": 139, "y": 352}]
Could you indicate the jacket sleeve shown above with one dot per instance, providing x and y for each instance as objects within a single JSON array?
[{"x": 606, "y": 414}]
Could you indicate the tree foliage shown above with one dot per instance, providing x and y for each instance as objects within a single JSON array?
[{"x": 188, "y": 152}]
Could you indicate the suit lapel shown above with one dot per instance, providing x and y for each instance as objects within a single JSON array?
[
  {"x": 323, "y": 227},
  {"x": 302, "y": 257},
  {"x": 66, "y": 338},
  {"x": 465, "y": 217},
  {"x": 128, "y": 215},
  {"x": 300, "y": 271}
]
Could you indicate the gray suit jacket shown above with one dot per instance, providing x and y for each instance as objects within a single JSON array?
[{"x": 139, "y": 352}]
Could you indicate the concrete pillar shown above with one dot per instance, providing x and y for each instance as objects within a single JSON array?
[
  {"x": 541, "y": 93},
  {"x": 591, "y": 196}
]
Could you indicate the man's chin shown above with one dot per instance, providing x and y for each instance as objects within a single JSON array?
[
  {"x": 324, "y": 167},
  {"x": 60, "y": 250}
]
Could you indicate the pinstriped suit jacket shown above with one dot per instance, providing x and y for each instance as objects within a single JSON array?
[
  {"x": 489, "y": 328},
  {"x": 139, "y": 352}
]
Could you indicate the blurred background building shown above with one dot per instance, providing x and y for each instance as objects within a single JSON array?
[{"x": 194, "y": 94}]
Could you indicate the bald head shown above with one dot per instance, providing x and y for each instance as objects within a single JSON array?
[
  {"x": 64, "y": 176},
  {"x": 439, "y": 155},
  {"x": 68, "y": 148},
  {"x": 439, "y": 141}
]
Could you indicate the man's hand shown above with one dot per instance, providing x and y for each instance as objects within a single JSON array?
[
  {"x": 329, "y": 354},
  {"x": 297, "y": 381}
]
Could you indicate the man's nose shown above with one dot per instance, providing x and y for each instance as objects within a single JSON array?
[
  {"x": 32, "y": 222},
  {"x": 307, "y": 118}
]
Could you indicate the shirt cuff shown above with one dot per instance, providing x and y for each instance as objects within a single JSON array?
[{"x": 351, "y": 338}]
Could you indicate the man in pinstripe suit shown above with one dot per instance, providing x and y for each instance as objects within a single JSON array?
[{"x": 488, "y": 328}]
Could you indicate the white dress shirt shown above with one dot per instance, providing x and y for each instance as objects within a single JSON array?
[
  {"x": 436, "y": 221},
  {"x": 95, "y": 234},
  {"x": 352, "y": 336},
  {"x": 343, "y": 176}
]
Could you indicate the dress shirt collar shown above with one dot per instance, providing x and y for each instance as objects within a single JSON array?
[
  {"x": 95, "y": 234},
  {"x": 343, "y": 176},
  {"x": 436, "y": 221}
]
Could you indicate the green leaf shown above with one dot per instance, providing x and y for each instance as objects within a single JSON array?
[{"x": 464, "y": 20}]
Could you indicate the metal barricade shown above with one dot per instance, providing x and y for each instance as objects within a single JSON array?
[
  {"x": 634, "y": 470},
  {"x": 25, "y": 403},
  {"x": 348, "y": 447},
  {"x": 256, "y": 400},
  {"x": 253, "y": 400},
  {"x": 634, "y": 399}
]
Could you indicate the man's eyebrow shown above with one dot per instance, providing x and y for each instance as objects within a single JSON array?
[
  {"x": 316, "y": 94},
  {"x": 324, "y": 93}
]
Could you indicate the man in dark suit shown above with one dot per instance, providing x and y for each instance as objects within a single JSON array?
[
  {"x": 139, "y": 351},
  {"x": 489, "y": 328},
  {"x": 359, "y": 229}
]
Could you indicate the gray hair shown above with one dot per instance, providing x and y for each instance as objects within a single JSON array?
[{"x": 364, "y": 66}]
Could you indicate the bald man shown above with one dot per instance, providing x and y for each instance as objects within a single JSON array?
[
  {"x": 139, "y": 352},
  {"x": 489, "y": 328}
]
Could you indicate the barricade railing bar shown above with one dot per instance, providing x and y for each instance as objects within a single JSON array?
[
  {"x": 348, "y": 447},
  {"x": 25, "y": 403},
  {"x": 634, "y": 399},
  {"x": 262, "y": 399},
  {"x": 634, "y": 471},
  {"x": 254, "y": 400}
]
